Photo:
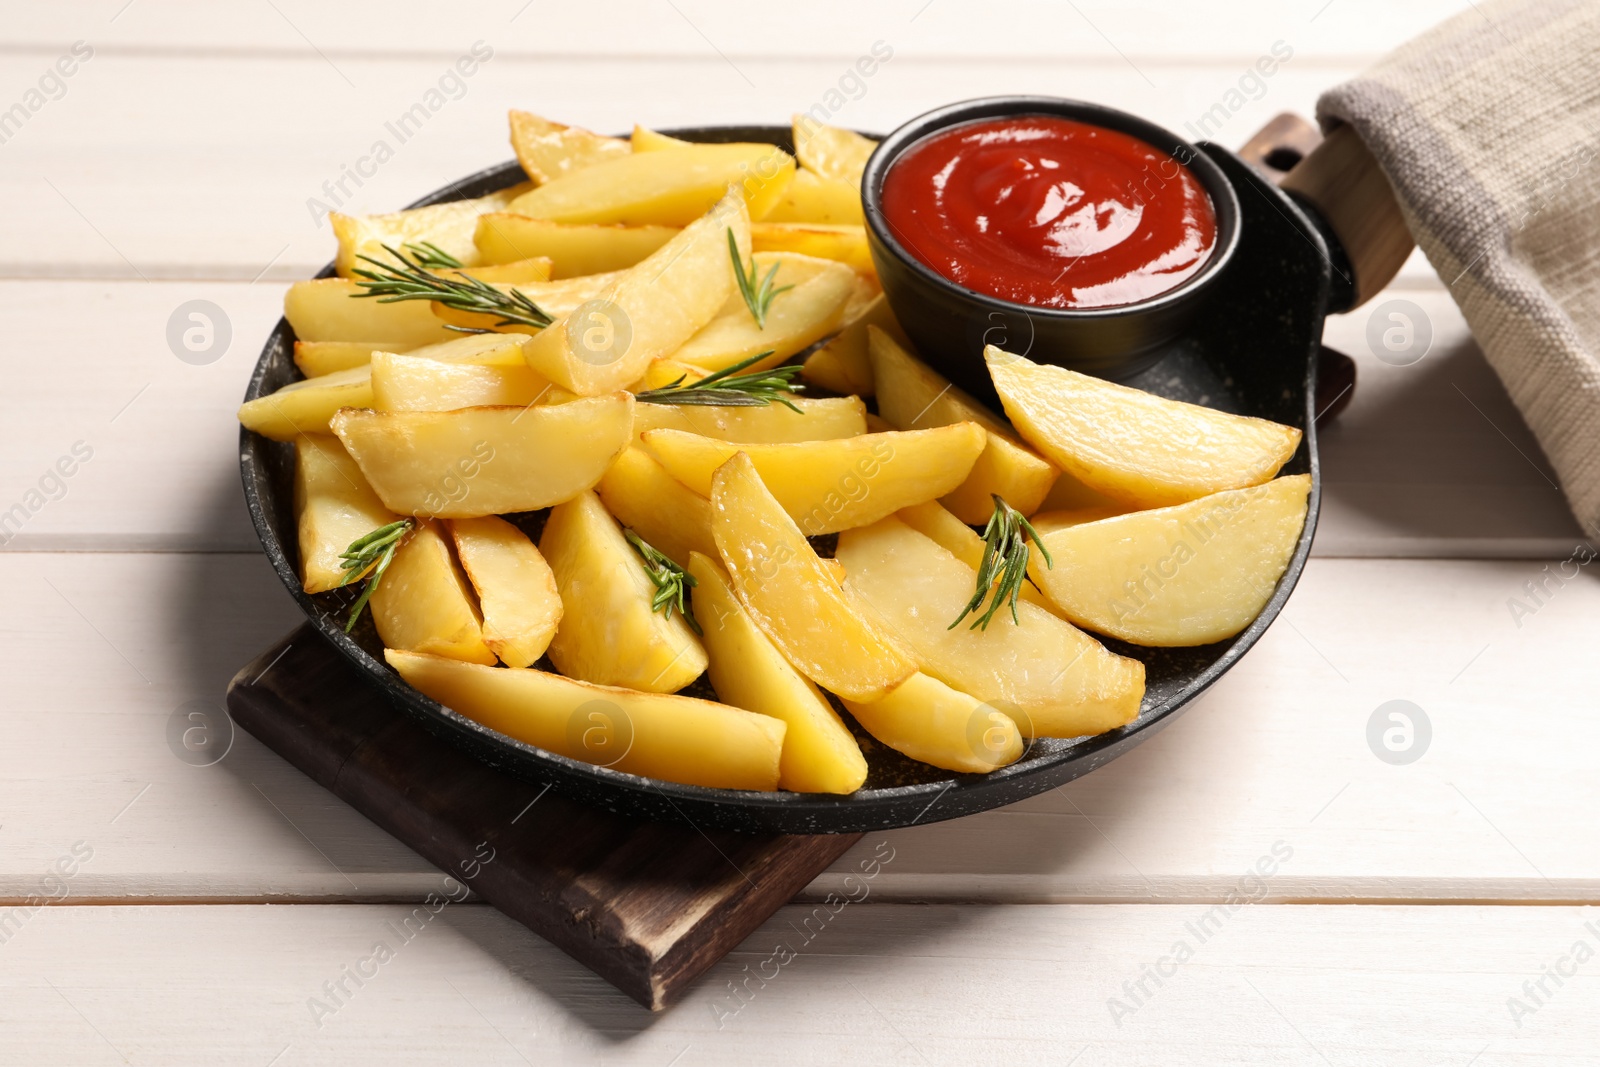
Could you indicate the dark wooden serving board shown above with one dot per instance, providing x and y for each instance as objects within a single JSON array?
[{"x": 647, "y": 906}]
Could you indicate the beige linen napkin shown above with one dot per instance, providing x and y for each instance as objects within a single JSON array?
[{"x": 1488, "y": 127}]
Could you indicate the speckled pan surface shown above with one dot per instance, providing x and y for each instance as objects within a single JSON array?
[{"x": 1252, "y": 350}]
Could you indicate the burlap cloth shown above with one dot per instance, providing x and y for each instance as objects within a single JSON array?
[{"x": 1488, "y": 127}]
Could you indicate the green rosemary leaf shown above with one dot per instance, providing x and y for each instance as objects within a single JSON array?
[
  {"x": 729, "y": 388},
  {"x": 1004, "y": 566},
  {"x": 430, "y": 256},
  {"x": 758, "y": 292},
  {"x": 369, "y": 557},
  {"x": 408, "y": 280},
  {"x": 672, "y": 582}
]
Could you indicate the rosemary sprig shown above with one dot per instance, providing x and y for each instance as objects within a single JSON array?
[
  {"x": 430, "y": 256},
  {"x": 672, "y": 582},
  {"x": 1005, "y": 563},
  {"x": 459, "y": 292},
  {"x": 757, "y": 291},
  {"x": 728, "y": 388},
  {"x": 368, "y": 557}
]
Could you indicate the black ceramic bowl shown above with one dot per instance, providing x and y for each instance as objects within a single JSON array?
[
  {"x": 1252, "y": 350},
  {"x": 950, "y": 324}
]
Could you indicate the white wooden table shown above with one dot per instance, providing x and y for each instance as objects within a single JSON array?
[{"x": 1411, "y": 909}]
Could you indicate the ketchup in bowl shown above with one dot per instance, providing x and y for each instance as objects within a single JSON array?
[{"x": 1049, "y": 212}]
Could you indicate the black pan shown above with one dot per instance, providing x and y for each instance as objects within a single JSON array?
[{"x": 1252, "y": 350}]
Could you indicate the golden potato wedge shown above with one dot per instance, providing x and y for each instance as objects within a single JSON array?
[
  {"x": 819, "y": 753},
  {"x": 333, "y": 309},
  {"x": 1052, "y": 678},
  {"x": 316, "y": 358},
  {"x": 673, "y": 187},
  {"x": 486, "y": 461},
  {"x": 912, "y": 396},
  {"x": 1046, "y": 522},
  {"x": 846, "y": 244},
  {"x": 417, "y": 383},
  {"x": 821, "y": 419},
  {"x": 609, "y": 633},
  {"x": 656, "y": 506},
  {"x": 424, "y": 603},
  {"x": 927, "y": 720},
  {"x": 795, "y": 320},
  {"x": 513, "y": 272},
  {"x": 1188, "y": 574},
  {"x": 813, "y": 199},
  {"x": 1136, "y": 447},
  {"x": 644, "y": 140},
  {"x": 573, "y": 250},
  {"x": 818, "y": 625},
  {"x": 480, "y": 350},
  {"x": 671, "y": 738},
  {"x": 665, "y": 373},
  {"x": 307, "y": 406},
  {"x": 649, "y": 311},
  {"x": 843, "y": 364},
  {"x": 830, "y": 151},
  {"x": 448, "y": 227},
  {"x": 833, "y": 485},
  {"x": 938, "y": 525},
  {"x": 548, "y": 150},
  {"x": 333, "y": 506},
  {"x": 1069, "y": 494},
  {"x": 517, "y": 593}
]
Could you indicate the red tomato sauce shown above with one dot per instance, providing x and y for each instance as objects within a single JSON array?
[{"x": 1050, "y": 212}]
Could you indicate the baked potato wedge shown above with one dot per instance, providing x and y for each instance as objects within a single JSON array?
[
  {"x": 1141, "y": 449},
  {"x": 649, "y": 311},
  {"x": 912, "y": 396},
  {"x": 927, "y": 720},
  {"x": 333, "y": 309},
  {"x": 794, "y": 596},
  {"x": 828, "y": 486},
  {"x": 656, "y": 506},
  {"x": 819, "y": 753},
  {"x": 333, "y": 506},
  {"x": 517, "y": 595},
  {"x": 424, "y": 603},
  {"x": 549, "y": 150},
  {"x": 574, "y": 250},
  {"x": 307, "y": 406},
  {"x": 1051, "y": 678},
  {"x": 796, "y": 319},
  {"x": 673, "y": 187},
  {"x": 609, "y": 633},
  {"x": 671, "y": 738},
  {"x": 448, "y": 227},
  {"x": 1188, "y": 574},
  {"x": 489, "y": 460}
]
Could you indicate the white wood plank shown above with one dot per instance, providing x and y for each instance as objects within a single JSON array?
[
  {"x": 874, "y": 983},
  {"x": 698, "y": 28},
  {"x": 88, "y": 364},
  {"x": 134, "y": 174},
  {"x": 1412, "y": 469},
  {"x": 1432, "y": 458},
  {"x": 113, "y": 644}
]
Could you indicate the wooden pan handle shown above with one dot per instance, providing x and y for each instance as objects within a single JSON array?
[{"x": 1339, "y": 178}]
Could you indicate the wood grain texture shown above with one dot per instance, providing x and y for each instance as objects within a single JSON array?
[
  {"x": 1289, "y": 986},
  {"x": 647, "y": 906},
  {"x": 1343, "y": 181}
]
